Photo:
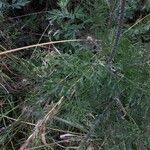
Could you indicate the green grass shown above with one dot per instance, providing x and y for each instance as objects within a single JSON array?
[
  {"x": 110, "y": 104},
  {"x": 88, "y": 86}
]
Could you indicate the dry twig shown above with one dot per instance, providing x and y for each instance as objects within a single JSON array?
[{"x": 40, "y": 127}]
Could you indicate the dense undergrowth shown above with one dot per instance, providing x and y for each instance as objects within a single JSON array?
[{"x": 50, "y": 96}]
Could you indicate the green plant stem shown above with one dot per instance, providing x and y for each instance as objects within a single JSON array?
[
  {"x": 118, "y": 30},
  {"x": 98, "y": 121}
]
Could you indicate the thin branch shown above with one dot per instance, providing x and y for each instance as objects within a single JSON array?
[
  {"x": 30, "y": 14},
  {"x": 38, "y": 45},
  {"x": 136, "y": 23}
]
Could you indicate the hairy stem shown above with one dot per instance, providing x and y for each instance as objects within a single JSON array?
[{"x": 118, "y": 30}]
